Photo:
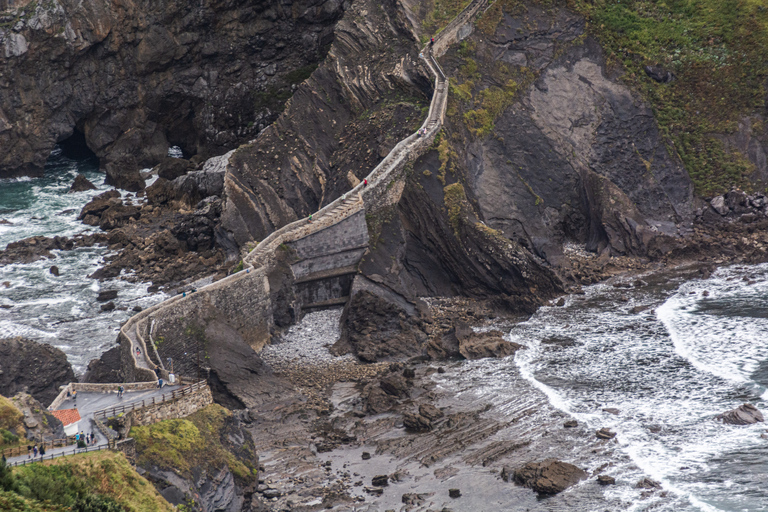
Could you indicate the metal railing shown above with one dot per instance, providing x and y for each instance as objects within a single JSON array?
[
  {"x": 111, "y": 412},
  {"x": 48, "y": 445},
  {"x": 41, "y": 458}
]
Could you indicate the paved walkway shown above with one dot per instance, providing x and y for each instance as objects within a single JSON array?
[{"x": 87, "y": 404}]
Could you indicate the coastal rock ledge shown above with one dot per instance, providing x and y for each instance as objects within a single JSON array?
[{"x": 745, "y": 414}]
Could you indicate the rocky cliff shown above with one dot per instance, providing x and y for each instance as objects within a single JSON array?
[
  {"x": 34, "y": 368},
  {"x": 126, "y": 80}
]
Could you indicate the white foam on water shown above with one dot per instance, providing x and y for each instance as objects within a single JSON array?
[{"x": 595, "y": 353}]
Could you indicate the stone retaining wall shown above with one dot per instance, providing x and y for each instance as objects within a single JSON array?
[
  {"x": 179, "y": 408},
  {"x": 243, "y": 301}
]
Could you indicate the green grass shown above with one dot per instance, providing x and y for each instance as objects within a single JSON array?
[
  {"x": 493, "y": 101},
  {"x": 182, "y": 444},
  {"x": 455, "y": 199},
  {"x": 101, "y": 481},
  {"x": 299, "y": 75},
  {"x": 718, "y": 52},
  {"x": 10, "y": 416},
  {"x": 440, "y": 13}
]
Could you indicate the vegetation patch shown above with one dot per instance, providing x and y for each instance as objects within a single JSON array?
[
  {"x": 440, "y": 13},
  {"x": 94, "y": 482},
  {"x": 195, "y": 441},
  {"x": 717, "y": 52},
  {"x": 455, "y": 199},
  {"x": 493, "y": 101},
  {"x": 10, "y": 416}
]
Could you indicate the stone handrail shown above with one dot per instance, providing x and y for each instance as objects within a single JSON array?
[{"x": 351, "y": 202}]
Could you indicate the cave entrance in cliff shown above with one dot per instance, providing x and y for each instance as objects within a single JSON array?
[{"x": 75, "y": 147}]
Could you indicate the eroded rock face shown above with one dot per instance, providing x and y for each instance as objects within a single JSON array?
[
  {"x": 34, "y": 368},
  {"x": 745, "y": 414},
  {"x": 578, "y": 156},
  {"x": 135, "y": 78},
  {"x": 550, "y": 476}
]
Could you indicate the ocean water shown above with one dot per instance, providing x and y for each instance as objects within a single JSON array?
[
  {"x": 669, "y": 355},
  {"x": 61, "y": 311}
]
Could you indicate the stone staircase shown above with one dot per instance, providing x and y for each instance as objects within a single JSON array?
[{"x": 370, "y": 197}]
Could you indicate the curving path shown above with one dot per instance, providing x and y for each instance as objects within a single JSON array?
[{"x": 137, "y": 328}]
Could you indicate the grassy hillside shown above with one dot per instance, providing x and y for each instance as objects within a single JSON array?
[
  {"x": 101, "y": 481},
  {"x": 717, "y": 51}
]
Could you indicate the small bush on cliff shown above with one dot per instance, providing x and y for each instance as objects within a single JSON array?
[{"x": 10, "y": 416}]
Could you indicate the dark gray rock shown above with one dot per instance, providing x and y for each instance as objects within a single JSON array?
[
  {"x": 745, "y": 414},
  {"x": 416, "y": 422},
  {"x": 430, "y": 412},
  {"x": 647, "y": 483},
  {"x": 106, "y": 295},
  {"x": 380, "y": 480},
  {"x": 549, "y": 477},
  {"x": 54, "y": 270},
  {"x": 606, "y": 480},
  {"x": 605, "y": 433},
  {"x": 454, "y": 493},
  {"x": 81, "y": 184},
  {"x": 34, "y": 368},
  {"x": 366, "y": 456},
  {"x": 571, "y": 424},
  {"x": 109, "y": 306},
  {"x": 105, "y": 369},
  {"x": 659, "y": 74}
]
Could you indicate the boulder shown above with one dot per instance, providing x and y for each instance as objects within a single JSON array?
[
  {"x": 54, "y": 270},
  {"x": 454, "y": 493},
  {"x": 507, "y": 473},
  {"x": 571, "y": 424},
  {"x": 81, "y": 184},
  {"x": 605, "y": 433},
  {"x": 394, "y": 385},
  {"x": 647, "y": 483},
  {"x": 479, "y": 345},
  {"x": 109, "y": 306},
  {"x": 96, "y": 206},
  {"x": 35, "y": 368},
  {"x": 380, "y": 480},
  {"x": 659, "y": 74},
  {"x": 745, "y": 414},
  {"x": 718, "y": 204},
  {"x": 606, "y": 480},
  {"x": 172, "y": 168},
  {"x": 106, "y": 295},
  {"x": 430, "y": 412},
  {"x": 550, "y": 476},
  {"x": 366, "y": 456},
  {"x": 416, "y": 422},
  {"x": 118, "y": 215}
]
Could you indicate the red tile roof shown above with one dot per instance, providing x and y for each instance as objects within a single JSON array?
[{"x": 67, "y": 416}]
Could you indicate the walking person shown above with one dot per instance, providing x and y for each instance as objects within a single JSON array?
[
  {"x": 34, "y": 452},
  {"x": 42, "y": 451},
  {"x": 365, "y": 182},
  {"x": 29, "y": 451}
]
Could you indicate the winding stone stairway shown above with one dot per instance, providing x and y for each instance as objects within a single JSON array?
[{"x": 136, "y": 333}]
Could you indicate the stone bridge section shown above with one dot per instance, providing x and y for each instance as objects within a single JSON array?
[{"x": 303, "y": 265}]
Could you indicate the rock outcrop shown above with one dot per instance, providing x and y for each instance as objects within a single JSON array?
[
  {"x": 106, "y": 368},
  {"x": 745, "y": 414},
  {"x": 35, "y": 368},
  {"x": 130, "y": 80},
  {"x": 550, "y": 476}
]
